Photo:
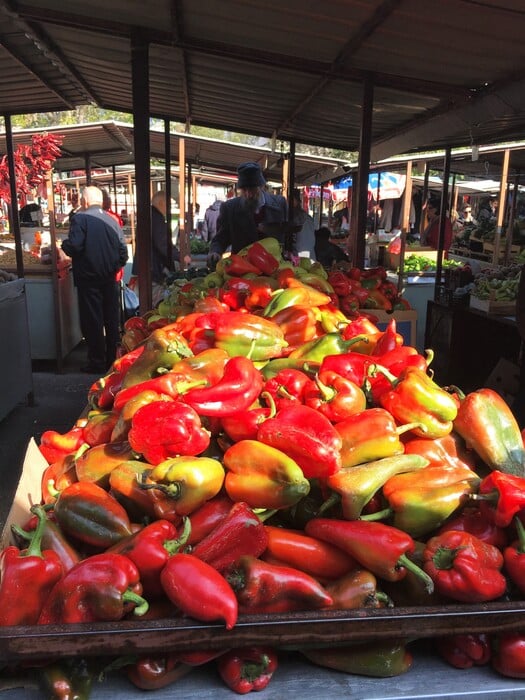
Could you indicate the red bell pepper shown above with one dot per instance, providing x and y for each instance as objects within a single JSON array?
[
  {"x": 298, "y": 324},
  {"x": 334, "y": 396},
  {"x": 307, "y": 437},
  {"x": 340, "y": 283},
  {"x": 474, "y": 521},
  {"x": 380, "y": 548},
  {"x": 239, "y": 265},
  {"x": 240, "y": 532},
  {"x": 261, "y": 587},
  {"x": 209, "y": 598},
  {"x": 99, "y": 427},
  {"x": 247, "y": 668},
  {"x": 257, "y": 255},
  {"x": 234, "y": 292},
  {"x": 27, "y": 577},
  {"x": 164, "y": 429},
  {"x": 157, "y": 671},
  {"x": 500, "y": 497},
  {"x": 103, "y": 587},
  {"x": 260, "y": 294},
  {"x": 464, "y": 568},
  {"x": 52, "y": 538},
  {"x": 54, "y": 445},
  {"x": 287, "y": 387},
  {"x": 244, "y": 425},
  {"x": 514, "y": 558},
  {"x": 464, "y": 650},
  {"x": 206, "y": 518},
  {"x": 240, "y": 385},
  {"x": 350, "y": 365},
  {"x": 390, "y": 339},
  {"x": 508, "y": 657}
]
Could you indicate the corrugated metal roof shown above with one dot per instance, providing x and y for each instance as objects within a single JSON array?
[
  {"x": 111, "y": 143},
  {"x": 446, "y": 73}
]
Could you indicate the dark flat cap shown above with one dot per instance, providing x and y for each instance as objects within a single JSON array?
[{"x": 250, "y": 175}]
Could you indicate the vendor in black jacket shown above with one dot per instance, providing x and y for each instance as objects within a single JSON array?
[
  {"x": 253, "y": 215},
  {"x": 96, "y": 247}
]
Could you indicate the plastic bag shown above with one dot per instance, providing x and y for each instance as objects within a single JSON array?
[{"x": 131, "y": 302}]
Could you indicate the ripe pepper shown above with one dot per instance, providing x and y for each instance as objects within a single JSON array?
[
  {"x": 239, "y": 265},
  {"x": 149, "y": 549},
  {"x": 209, "y": 598},
  {"x": 501, "y": 496},
  {"x": 240, "y": 532},
  {"x": 263, "y": 476},
  {"x": 389, "y": 340},
  {"x": 188, "y": 481},
  {"x": 508, "y": 657},
  {"x": 421, "y": 502},
  {"x": 377, "y": 300},
  {"x": 67, "y": 679},
  {"x": 157, "y": 671},
  {"x": 172, "y": 384},
  {"x": 244, "y": 334},
  {"x": 357, "y": 589},
  {"x": 370, "y": 435},
  {"x": 288, "y": 386},
  {"x": 162, "y": 349},
  {"x": 52, "y": 538},
  {"x": 464, "y": 568},
  {"x": 240, "y": 385},
  {"x": 297, "y": 295},
  {"x": 59, "y": 475},
  {"x": 488, "y": 426},
  {"x": 307, "y": 437},
  {"x": 464, "y": 650},
  {"x": 99, "y": 427},
  {"x": 416, "y": 397},
  {"x": 298, "y": 324},
  {"x": 340, "y": 283},
  {"x": 262, "y": 587},
  {"x": 514, "y": 557},
  {"x": 262, "y": 258},
  {"x": 474, "y": 521},
  {"x": 439, "y": 450},
  {"x": 97, "y": 463},
  {"x": 247, "y": 668},
  {"x": 354, "y": 487},
  {"x": 402, "y": 356},
  {"x": 260, "y": 293},
  {"x": 328, "y": 344},
  {"x": 102, "y": 392},
  {"x": 234, "y": 292},
  {"x": 331, "y": 318},
  {"x": 102, "y": 587},
  {"x": 351, "y": 365},
  {"x": 334, "y": 396},
  {"x": 163, "y": 429},
  {"x": 381, "y": 659},
  {"x": 317, "y": 558},
  {"x": 54, "y": 445},
  {"x": 380, "y": 548},
  {"x": 243, "y": 425},
  {"x": 91, "y": 515},
  {"x": 27, "y": 577}
]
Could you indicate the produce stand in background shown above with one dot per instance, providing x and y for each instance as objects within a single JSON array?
[{"x": 15, "y": 350}]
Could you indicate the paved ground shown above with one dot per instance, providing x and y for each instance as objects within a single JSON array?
[{"x": 59, "y": 399}]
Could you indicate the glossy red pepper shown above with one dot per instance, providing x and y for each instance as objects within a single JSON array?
[
  {"x": 508, "y": 657},
  {"x": 240, "y": 385},
  {"x": 157, "y": 671},
  {"x": 247, "y": 668},
  {"x": 99, "y": 427},
  {"x": 287, "y": 387},
  {"x": 464, "y": 568},
  {"x": 54, "y": 445},
  {"x": 334, "y": 396},
  {"x": 262, "y": 587},
  {"x": 208, "y": 516},
  {"x": 472, "y": 520},
  {"x": 209, "y": 598},
  {"x": 102, "y": 587},
  {"x": 351, "y": 365},
  {"x": 464, "y": 650},
  {"x": 239, "y": 265},
  {"x": 27, "y": 577},
  {"x": 240, "y": 532},
  {"x": 514, "y": 557},
  {"x": 259, "y": 256},
  {"x": 307, "y": 437},
  {"x": 389, "y": 340},
  {"x": 500, "y": 497},
  {"x": 164, "y": 429},
  {"x": 244, "y": 425},
  {"x": 52, "y": 538}
]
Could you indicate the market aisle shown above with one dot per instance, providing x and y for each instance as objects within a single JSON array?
[{"x": 58, "y": 401}]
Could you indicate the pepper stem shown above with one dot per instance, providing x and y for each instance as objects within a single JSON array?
[
  {"x": 327, "y": 392},
  {"x": 174, "y": 546},
  {"x": 429, "y": 356},
  {"x": 521, "y": 535},
  {"x": 409, "y": 565},
  {"x": 410, "y": 426},
  {"x": 376, "y": 369},
  {"x": 378, "y": 515},
  {"x": 34, "y": 548},
  {"x": 141, "y": 604},
  {"x": 271, "y": 403},
  {"x": 330, "y": 503},
  {"x": 384, "y": 598}
]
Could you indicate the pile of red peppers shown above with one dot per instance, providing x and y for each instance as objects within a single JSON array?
[{"x": 265, "y": 453}]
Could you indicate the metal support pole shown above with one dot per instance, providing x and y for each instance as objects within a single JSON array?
[{"x": 442, "y": 221}]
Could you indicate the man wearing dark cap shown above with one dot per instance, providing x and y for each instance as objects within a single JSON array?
[
  {"x": 254, "y": 214},
  {"x": 430, "y": 236}
]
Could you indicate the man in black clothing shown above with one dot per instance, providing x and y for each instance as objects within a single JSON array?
[
  {"x": 96, "y": 247},
  {"x": 326, "y": 252}
]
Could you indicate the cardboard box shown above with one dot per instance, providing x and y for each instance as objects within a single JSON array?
[
  {"x": 505, "y": 379},
  {"x": 490, "y": 306},
  {"x": 405, "y": 323},
  {"x": 393, "y": 259}
]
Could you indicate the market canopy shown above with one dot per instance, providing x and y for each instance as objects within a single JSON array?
[{"x": 450, "y": 73}]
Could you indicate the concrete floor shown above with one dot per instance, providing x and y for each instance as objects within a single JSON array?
[{"x": 59, "y": 398}]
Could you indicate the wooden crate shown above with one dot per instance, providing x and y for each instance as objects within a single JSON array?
[{"x": 491, "y": 306}]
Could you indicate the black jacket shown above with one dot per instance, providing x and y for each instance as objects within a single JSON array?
[
  {"x": 209, "y": 226},
  {"x": 95, "y": 246},
  {"x": 236, "y": 226}
]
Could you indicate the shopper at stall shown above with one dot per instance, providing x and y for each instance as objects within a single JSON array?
[
  {"x": 305, "y": 236},
  {"x": 326, "y": 252},
  {"x": 252, "y": 215},
  {"x": 209, "y": 225},
  {"x": 430, "y": 236},
  {"x": 161, "y": 265},
  {"x": 97, "y": 251}
]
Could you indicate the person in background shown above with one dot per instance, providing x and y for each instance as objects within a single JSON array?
[
  {"x": 161, "y": 265},
  {"x": 326, "y": 252},
  {"x": 97, "y": 250},
  {"x": 518, "y": 405},
  {"x": 209, "y": 226},
  {"x": 430, "y": 236},
  {"x": 106, "y": 205},
  {"x": 252, "y": 215},
  {"x": 305, "y": 237},
  {"x": 487, "y": 210}
]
